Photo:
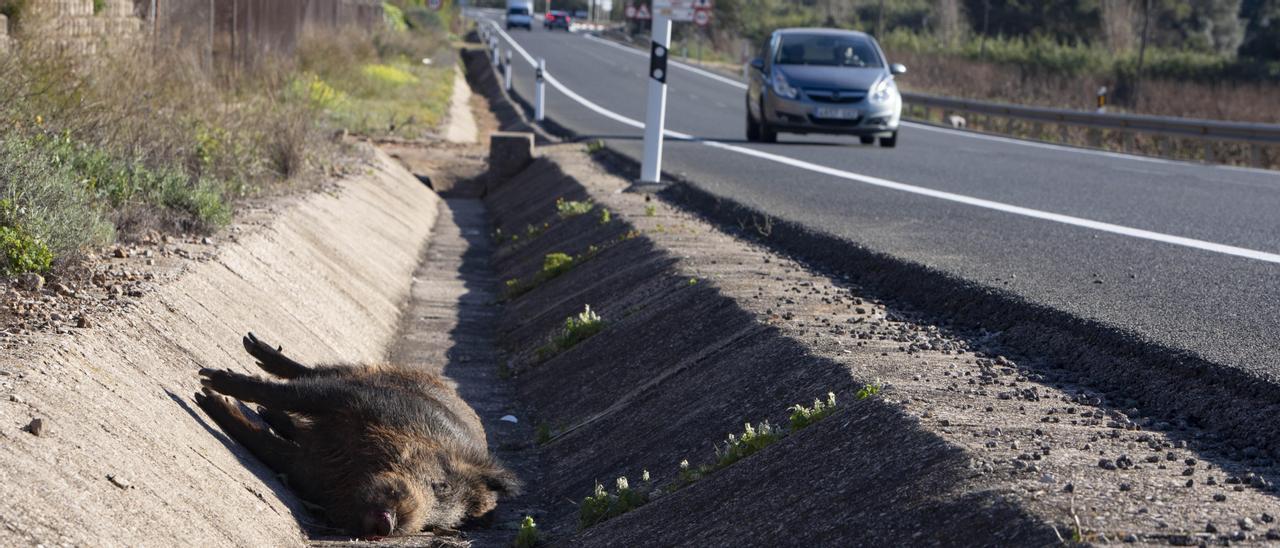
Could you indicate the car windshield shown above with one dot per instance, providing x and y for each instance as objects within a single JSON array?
[
  {"x": 518, "y": 11},
  {"x": 831, "y": 50}
]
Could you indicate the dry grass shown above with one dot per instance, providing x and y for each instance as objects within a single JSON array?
[{"x": 135, "y": 140}]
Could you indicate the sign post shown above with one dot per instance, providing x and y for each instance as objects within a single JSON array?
[
  {"x": 656, "y": 111},
  {"x": 540, "y": 95}
]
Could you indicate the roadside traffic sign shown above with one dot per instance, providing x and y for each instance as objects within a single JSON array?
[
  {"x": 642, "y": 12},
  {"x": 702, "y": 17},
  {"x": 631, "y": 11}
]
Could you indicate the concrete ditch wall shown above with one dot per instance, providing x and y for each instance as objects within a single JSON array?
[
  {"x": 127, "y": 458},
  {"x": 681, "y": 364}
]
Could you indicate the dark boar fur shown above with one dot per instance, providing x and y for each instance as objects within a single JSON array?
[{"x": 385, "y": 450}]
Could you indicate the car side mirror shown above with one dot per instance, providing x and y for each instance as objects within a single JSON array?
[
  {"x": 897, "y": 68},
  {"x": 758, "y": 64}
]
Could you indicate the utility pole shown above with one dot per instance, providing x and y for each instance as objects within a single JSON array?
[
  {"x": 986, "y": 26},
  {"x": 1142, "y": 52},
  {"x": 880, "y": 21}
]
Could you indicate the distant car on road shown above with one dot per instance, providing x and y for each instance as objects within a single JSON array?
[
  {"x": 557, "y": 20},
  {"x": 520, "y": 14},
  {"x": 810, "y": 80}
]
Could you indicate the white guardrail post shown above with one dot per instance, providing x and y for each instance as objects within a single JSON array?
[
  {"x": 494, "y": 48},
  {"x": 656, "y": 111},
  {"x": 540, "y": 96},
  {"x": 506, "y": 73}
]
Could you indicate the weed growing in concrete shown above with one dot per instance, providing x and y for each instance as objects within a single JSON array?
[
  {"x": 802, "y": 416},
  {"x": 577, "y": 328},
  {"x": 736, "y": 448},
  {"x": 573, "y": 208},
  {"x": 752, "y": 440},
  {"x": 595, "y": 146},
  {"x": 542, "y": 434},
  {"x": 693, "y": 281},
  {"x": 605, "y": 216},
  {"x": 553, "y": 265},
  {"x": 650, "y": 210},
  {"x": 872, "y": 389},
  {"x": 603, "y": 505},
  {"x": 528, "y": 536}
]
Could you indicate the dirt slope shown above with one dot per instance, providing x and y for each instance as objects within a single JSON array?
[{"x": 126, "y": 458}]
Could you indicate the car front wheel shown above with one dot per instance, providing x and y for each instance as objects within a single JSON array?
[{"x": 890, "y": 141}]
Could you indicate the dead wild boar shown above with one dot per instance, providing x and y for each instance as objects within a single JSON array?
[{"x": 384, "y": 449}]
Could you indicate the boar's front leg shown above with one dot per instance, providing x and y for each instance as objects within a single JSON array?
[{"x": 276, "y": 453}]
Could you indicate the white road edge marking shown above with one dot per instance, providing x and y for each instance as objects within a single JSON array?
[
  {"x": 969, "y": 134},
  {"x": 903, "y": 187}
]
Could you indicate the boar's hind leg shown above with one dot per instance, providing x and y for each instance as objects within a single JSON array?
[
  {"x": 273, "y": 361},
  {"x": 276, "y": 453},
  {"x": 301, "y": 398},
  {"x": 280, "y": 421}
]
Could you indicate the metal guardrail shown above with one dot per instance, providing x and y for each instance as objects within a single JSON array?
[{"x": 1254, "y": 134}]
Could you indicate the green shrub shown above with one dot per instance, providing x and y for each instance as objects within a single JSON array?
[
  {"x": 554, "y": 264},
  {"x": 542, "y": 434},
  {"x": 573, "y": 208},
  {"x": 44, "y": 204},
  {"x": 869, "y": 390},
  {"x": 605, "y": 216},
  {"x": 802, "y": 416},
  {"x": 394, "y": 17},
  {"x": 528, "y": 536},
  {"x": 577, "y": 328},
  {"x": 736, "y": 448},
  {"x": 22, "y": 252},
  {"x": 752, "y": 440},
  {"x": 602, "y": 505}
]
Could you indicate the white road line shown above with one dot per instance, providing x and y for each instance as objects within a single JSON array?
[
  {"x": 969, "y": 134},
  {"x": 921, "y": 191}
]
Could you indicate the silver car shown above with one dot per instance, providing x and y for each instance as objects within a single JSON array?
[{"x": 823, "y": 81}]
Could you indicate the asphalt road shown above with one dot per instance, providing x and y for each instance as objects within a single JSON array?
[{"x": 1218, "y": 296}]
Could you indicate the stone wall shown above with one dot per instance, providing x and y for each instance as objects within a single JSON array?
[{"x": 72, "y": 25}]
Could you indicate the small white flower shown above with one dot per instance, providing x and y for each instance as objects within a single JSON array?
[
  {"x": 644, "y": 476},
  {"x": 684, "y": 464},
  {"x": 622, "y": 484}
]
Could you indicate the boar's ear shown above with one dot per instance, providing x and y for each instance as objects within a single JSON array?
[{"x": 499, "y": 480}]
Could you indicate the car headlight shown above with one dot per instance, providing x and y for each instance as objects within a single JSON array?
[
  {"x": 783, "y": 88},
  {"x": 883, "y": 91}
]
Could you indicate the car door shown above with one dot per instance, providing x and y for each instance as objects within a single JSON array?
[{"x": 758, "y": 80}]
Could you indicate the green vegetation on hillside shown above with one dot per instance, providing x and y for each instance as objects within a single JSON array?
[{"x": 144, "y": 139}]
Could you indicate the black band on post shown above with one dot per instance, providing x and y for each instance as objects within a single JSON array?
[{"x": 658, "y": 62}]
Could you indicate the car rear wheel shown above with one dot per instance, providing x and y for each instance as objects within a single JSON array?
[{"x": 890, "y": 141}]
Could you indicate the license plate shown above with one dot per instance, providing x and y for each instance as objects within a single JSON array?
[{"x": 837, "y": 113}]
